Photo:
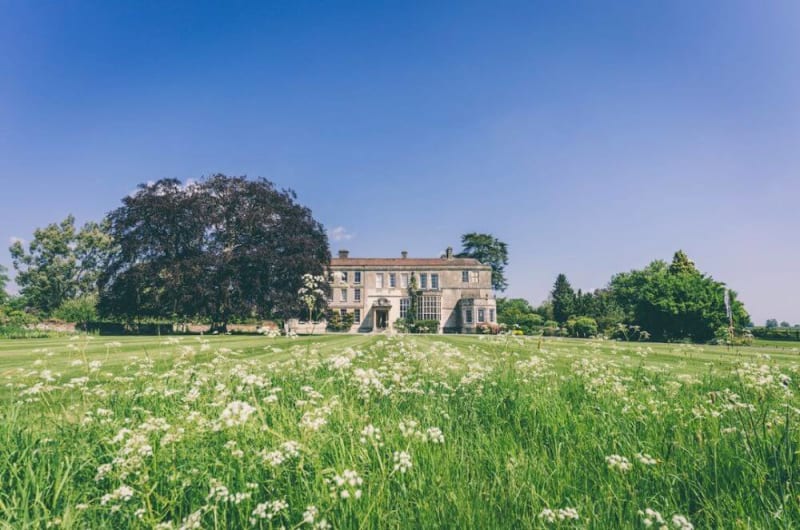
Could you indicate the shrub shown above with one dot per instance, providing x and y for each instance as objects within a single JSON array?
[
  {"x": 78, "y": 310},
  {"x": 338, "y": 323},
  {"x": 425, "y": 326},
  {"x": 582, "y": 327}
]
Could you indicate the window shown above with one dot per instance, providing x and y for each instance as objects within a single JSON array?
[
  {"x": 356, "y": 295},
  {"x": 434, "y": 281},
  {"x": 423, "y": 281},
  {"x": 357, "y": 316},
  {"x": 430, "y": 308},
  {"x": 491, "y": 315},
  {"x": 379, "y": 280},
  {"x": 404, "y": 280},
  {"x": 481, "y": 315},
  {"x": 465, "y": 276},
  {"x": 468, "y": 316},
  {"x": 343, "y": 312},
  {"x": 404, "y": 303},
  {"x": 392, "y": 279},
  {"x": 473, "y": 276},
  {"x": 343, "y": 295},
  {"x": 344, "y": 276},
  {"x": 357, "y": 277}
]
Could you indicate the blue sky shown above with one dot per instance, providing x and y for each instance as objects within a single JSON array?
[{"x": 591, "y": 137}]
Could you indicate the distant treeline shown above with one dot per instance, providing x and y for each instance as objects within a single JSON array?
[
  {"x": 669, "y": 302},
  {"x": 776, "y": 333}
]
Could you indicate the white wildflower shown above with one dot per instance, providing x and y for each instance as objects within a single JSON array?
[
  {"x": 402, "y": 461},
  {"x": 619, "y": 463},
  {"x": 236, "y": 413}
]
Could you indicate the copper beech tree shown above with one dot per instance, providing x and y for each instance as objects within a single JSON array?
[{"x": 221, "y": 249}]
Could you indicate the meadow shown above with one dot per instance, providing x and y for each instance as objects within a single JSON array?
[{"x": 354, "y": 431}]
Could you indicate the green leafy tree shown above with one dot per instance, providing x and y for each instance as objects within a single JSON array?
[
  {"x": 92, "y": 246},
  {"x": 563, "y": 298},
  {"x": 545, "y": 310},
  {"x": 682, "y": 264},
  {"x": 60, "y": 263},
  {"x": 46, "y": 272},
  {"x": 517, "y": 313},
  {"x": 772, "y": 323},
  {"x": 490, "y": 251},
  {"x": 675, "y": 302},
  {"x": 4, "y": 279},
  {"x": 79, "y": 310}
]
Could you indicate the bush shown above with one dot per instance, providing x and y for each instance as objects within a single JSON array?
[
  {"x": 425, "y": 326},
  {"x": 78, "y": 310},
  {"x": 582, "y": 327},
  {"x": 550, "y": 328},
  {"x": 16, "y": 324},
  {"x": 776, "y": 333},
  {"x": 338, "y": 323}
]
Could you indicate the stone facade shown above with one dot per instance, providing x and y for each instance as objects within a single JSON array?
[{"x": 455, "y": 291}]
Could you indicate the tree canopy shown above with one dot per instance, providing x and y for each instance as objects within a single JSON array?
[
  {"x": 490, "y": 251},
  {"x": 60, "y": 263},
  {"x": 676, "y": 301},
  {"x": 563, "y": 297},
  {"x": 665, "y": 302},
  {"x": 224, "y": 248},
  {"x": 4, "y": 279}
]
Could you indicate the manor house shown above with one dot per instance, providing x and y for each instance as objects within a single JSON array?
[{"x": 456, "y": 292}]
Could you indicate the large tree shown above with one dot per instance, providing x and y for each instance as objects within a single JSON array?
[
  {"x": 563, "y": 297},
  {"x": 224, "y": 248},
  {"x": 3, "y": 282},
  {"x": 676, "y": 302},
  {"x": 60, "y": 263},
  {"x": 490, "y": 251}
]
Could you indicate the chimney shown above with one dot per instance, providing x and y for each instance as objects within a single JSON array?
[
  {"x": 344, "y": 254},
  {"x": 449, "y": 252},
  {"x": 404, "y": 254}
]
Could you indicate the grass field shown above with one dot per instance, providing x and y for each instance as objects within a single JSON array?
[{"x": 354, "y": 431}]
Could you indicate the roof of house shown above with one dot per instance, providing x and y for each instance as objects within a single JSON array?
[{"x": 406, "y": 262}]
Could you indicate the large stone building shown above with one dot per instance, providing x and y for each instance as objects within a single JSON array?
[{"x": 455, "y": 291}]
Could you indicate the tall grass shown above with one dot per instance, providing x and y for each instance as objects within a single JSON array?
[{"x": 396, "y": 433}]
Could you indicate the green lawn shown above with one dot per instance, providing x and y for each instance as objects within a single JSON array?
[
  {"x": 116, "y": 350},
  {"x": 360, "y": 431}
]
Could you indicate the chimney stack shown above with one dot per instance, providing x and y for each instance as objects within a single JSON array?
[
  {"x": 344, "y": 253},
  {"x": 404, "y": 254},
  {"x": 449, "y": 252}
]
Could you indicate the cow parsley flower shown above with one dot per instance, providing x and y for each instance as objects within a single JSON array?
[
  {"x": 562, "y": 514},
  {"x": 371, "y": 434},
  {"x": 434, "y": 435},
  {"x": 619, "y": 463},
  {"x": 646, "y": 459},
  {"x": 681, "y": 523},
  {"x": 651, "y": 517},
  {"x": 236, "y": 413},
  {"x": 347, "y": 485},
  {"x": 402, "y": 461}
]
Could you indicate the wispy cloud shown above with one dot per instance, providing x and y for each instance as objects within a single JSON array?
[{"x": 339, "y": 233}]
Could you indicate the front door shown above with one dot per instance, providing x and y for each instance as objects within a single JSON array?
[{"x": 381, "y": 318}]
